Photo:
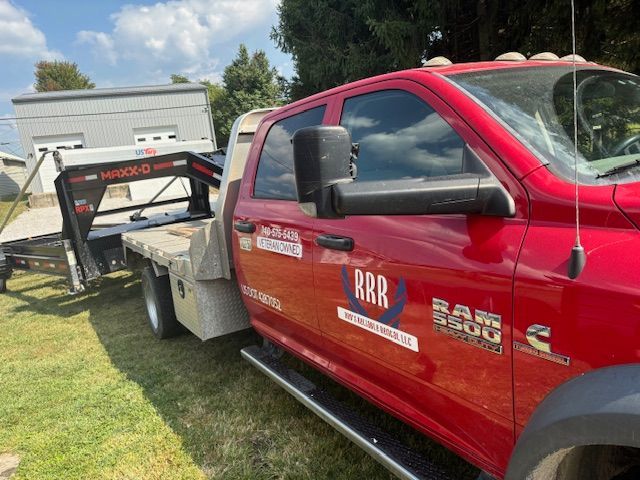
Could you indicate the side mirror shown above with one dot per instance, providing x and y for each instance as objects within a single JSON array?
[
  {"x": 322, "y": 166},
  {"x": 474, "y": 191},
  {"x": 321, "y": 159},
  {"x": 466, "y": 193}
]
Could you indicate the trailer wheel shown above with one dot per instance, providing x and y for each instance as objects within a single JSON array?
[
  {"x": 3, "y": 285},
  {"x": 157, "y": 298}
]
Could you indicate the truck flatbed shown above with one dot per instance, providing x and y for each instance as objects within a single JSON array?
[
  {"x": 167, "y": 245},
  {"x": 191, "y": 261},
  {"x": 205, "y": 295}
]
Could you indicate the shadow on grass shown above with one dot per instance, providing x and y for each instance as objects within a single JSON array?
[{"x": 232, "y": 420}]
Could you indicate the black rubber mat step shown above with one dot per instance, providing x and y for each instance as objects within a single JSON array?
[{"x": 383, "y": 447}]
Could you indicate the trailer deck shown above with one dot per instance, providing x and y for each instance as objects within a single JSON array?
[{"x": 49, "y": 254}]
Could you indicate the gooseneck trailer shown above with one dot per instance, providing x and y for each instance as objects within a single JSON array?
[{"x": 85, "y": 249}]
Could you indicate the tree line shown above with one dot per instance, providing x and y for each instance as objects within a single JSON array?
[{"x": 337, "y": 41}]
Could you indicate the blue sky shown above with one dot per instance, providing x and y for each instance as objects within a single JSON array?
[{"x": 121, "y": 43}]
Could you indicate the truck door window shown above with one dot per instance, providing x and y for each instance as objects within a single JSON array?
[
  {"x": 274, "y": 179},
  {"x": 400, "y": 136}
]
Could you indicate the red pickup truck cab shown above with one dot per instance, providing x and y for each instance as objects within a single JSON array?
[{"x": 412, "y": 242}]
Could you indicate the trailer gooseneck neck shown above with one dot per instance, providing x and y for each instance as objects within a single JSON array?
[{"x": 82, "y": 252}]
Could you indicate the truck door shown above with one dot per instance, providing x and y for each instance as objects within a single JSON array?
[
  {"x": 272, "y": 237},
  {"x": 419, "y": 312}
]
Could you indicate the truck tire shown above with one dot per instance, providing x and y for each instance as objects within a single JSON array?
[
  {"x": 3, "y": 285},
  {"x": 600, "y": 462},
  {"x": 159, "y": 304}
]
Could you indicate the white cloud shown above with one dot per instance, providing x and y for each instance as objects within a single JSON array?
[
  {"x": 101, "y": 43},
  {"x": 19, "y": 37},
  {"x": 6, "y": 94},
  {"x": 283, "y": 69},
  {"x": 355, "y": 121},
  {"x": 181, "y": 35}
]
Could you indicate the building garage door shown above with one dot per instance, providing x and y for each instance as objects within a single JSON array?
[
  {"x": 47, "y": 171},
  {"x": 150, "y": 136}
]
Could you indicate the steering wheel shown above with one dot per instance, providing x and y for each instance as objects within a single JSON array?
[
  {"x": 626, "y": 143},
  {"x": 582, "y": 116}
]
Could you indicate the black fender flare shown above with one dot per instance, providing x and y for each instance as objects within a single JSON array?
[{"x": 601, "y": 407}]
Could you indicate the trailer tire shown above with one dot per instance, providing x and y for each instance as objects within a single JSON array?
[{"x": 159, "y": 304}]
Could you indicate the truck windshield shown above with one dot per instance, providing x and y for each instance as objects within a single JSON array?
[{"x": 536, "y": 104}]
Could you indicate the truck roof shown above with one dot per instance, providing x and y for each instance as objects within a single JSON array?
[
  {"x": 499, "y": 65},
  {"x": 445, "y": 70}
]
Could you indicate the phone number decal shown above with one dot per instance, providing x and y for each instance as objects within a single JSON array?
[
  {"x": 284, "y": 241},
  {"x": 280, "y": 233}
]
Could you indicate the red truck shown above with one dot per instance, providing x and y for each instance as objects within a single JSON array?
[
  {"x": 409, "y": 235},
  {"x": 432, "y": 278}
]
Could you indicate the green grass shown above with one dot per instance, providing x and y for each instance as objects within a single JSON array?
[
  {"x": 86, "y": 392},
  {"x": 5, "y": 204}
]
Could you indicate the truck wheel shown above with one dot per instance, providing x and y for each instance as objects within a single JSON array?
[
  {"x": 3, "y": 285},
  {"x": 600, "y": 462},
  {"x": 157, "y": 299}
]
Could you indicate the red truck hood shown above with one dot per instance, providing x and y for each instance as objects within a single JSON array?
[{"x": 627, "y": 197}]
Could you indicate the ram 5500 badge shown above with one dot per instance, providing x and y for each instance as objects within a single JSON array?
[{"x": 483, "y": 329}]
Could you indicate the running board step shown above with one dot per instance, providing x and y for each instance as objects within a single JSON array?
[{"x": 383, "y": 447}]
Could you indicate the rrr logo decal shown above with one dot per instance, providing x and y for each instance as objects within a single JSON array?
[{"x": 373, "y": 289}]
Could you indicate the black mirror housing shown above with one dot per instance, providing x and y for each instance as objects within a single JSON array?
[
  {"x": 321, "y": 159},
  {"x": 467, "y": 193},
  {"x": 474, "y": 191},
  {"x": 325, "y": 186}
]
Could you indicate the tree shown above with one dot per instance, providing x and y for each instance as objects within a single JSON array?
[
  {"x": 248, "y": 82},
  {"x": 213, "y": 89},
  {"x": 604, "y": 33},
  {"x": 337, "y": 41},
  {"x": 179, "y": 78},
  {"x": 51, "y": 76},
  {"x": 405, "y": 29},
  {"x": 330, "y": 43}
]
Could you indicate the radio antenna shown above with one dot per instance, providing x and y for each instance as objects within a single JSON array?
[{"x": 578, "y": 258}]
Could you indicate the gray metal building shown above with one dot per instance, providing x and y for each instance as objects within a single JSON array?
[
  {"x": 13, "y": 173},
  {"x": 141, "y": 117}
]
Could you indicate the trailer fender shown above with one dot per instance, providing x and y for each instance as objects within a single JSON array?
[{"x": 601, "y": 407}]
